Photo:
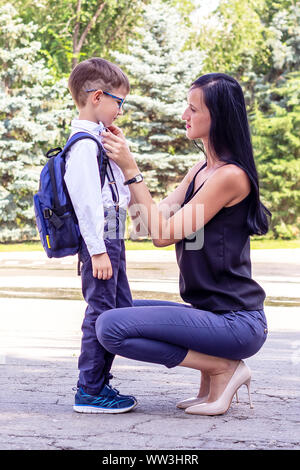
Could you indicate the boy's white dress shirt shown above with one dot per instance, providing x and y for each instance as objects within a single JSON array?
[{"x": 83, "y": 182}]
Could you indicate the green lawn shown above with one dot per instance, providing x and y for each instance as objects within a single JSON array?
[
  {"x": 256, "y": 244},
  {"x": 271, "y": 244}
]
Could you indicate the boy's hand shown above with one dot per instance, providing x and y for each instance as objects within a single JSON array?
[{"x": 102, "y": 268}]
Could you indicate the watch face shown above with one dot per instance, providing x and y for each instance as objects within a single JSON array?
[{"x": 139, "y": 178}]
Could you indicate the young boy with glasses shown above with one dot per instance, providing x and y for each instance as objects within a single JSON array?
[{"x": 98, "y": 88}]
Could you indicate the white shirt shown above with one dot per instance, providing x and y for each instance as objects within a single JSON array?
[{"x": 83, "y": 183}]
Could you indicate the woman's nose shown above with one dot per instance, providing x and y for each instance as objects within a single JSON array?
[{"x": 184, "y": 116}]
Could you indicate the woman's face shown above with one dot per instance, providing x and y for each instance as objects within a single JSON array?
[{"x": 197, "y": 116}]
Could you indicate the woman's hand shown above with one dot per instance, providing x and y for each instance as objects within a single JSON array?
[
  {"x": 118, "y": 150},
  {"x": 116, "y": 131}
]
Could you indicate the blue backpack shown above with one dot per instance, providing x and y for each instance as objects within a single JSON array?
[{"x": 55, "y": 217}]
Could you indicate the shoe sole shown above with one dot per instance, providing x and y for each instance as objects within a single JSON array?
[
  {"x": 182, "y": 405},
  {"x": 95, "y": 409}
]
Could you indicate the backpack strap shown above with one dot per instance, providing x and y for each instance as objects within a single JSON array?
[
  {"x": 103, "y": 160},
  {"x": 101, "y": 156},
  {"x": 59, "y": 210}
]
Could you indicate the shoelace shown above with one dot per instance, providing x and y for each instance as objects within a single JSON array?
[{"x": 116, "y": 392}]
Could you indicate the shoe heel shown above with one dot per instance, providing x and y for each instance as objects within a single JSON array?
[
  {"x": 248, "y": 387},
  {"x": 236, "y": 397}
]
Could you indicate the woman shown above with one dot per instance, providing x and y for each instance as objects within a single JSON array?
[{"x": 223, "y": 320}]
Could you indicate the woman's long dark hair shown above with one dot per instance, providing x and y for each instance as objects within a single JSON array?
[{"x": 230, "y": 139}]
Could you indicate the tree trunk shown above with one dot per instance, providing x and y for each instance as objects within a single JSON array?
[{"x": 79, "y": 41}]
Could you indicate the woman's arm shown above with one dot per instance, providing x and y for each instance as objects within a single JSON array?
[
  {"x": 219, "y": 190},
  {"x": 168, "y": 206},
  {"x": 225, "y": 184}
]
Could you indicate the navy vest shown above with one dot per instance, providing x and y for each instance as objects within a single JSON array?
[{"x": 217, "y": 277}]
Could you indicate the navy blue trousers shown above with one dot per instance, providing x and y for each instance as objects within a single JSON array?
[
  {"x": 162, "y": 332},
  {"x": 95, "y": 361}
]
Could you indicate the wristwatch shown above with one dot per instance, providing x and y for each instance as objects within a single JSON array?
[{"x": 137, "y": 179}]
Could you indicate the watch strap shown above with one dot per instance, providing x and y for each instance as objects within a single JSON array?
[{"x": 136, "y": 179}]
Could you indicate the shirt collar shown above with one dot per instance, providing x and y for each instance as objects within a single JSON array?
[{"x": 88, "y": 126}]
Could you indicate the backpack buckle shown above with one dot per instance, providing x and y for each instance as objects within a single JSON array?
[
  {"x": 53, "y": 152},
  {"x": 47, "y": 213}
]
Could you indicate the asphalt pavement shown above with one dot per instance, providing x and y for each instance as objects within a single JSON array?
[{"x": 41, "y": 310}]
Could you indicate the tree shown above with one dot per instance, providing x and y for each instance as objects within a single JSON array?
[
  {"x": 282, "y": 20},
  {"x": 71, "y": 31},
  {"x": 275, "y": 119},
  {"x": 33, "y": 111},
  {"x": 258, "y": 42},
  {"x": 233, "y": 37},
  {"x": 160, "y": 73},
  {"x": 276, "y": 141}
]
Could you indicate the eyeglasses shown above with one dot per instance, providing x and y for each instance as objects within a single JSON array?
[{"x": 120, "y": 101}]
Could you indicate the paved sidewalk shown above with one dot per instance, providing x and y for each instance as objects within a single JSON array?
[
  {"x": 39, "y": 348},
  {"x": 278, "y": 271}
]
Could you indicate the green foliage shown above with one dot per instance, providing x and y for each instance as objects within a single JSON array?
[
  {"x": 258, "y": 42},
  {"x": 233, "y": 38},
  {"x": 73, "y": 30},
  {"x": 163, "y": 47},
  {"x": 161, "y": 72},
  {"x": 276, "y": 142},
  {"x": 281, "y": 20},
  {"x": 33, "y": 112}
]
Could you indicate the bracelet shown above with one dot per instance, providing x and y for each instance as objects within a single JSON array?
[{"x": 137, "y": 179}]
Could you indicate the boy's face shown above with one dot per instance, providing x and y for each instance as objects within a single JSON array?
[{"x": 108, "y": 108}]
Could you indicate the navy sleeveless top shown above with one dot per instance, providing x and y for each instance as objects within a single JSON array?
[{"x": 217, "y": 277}]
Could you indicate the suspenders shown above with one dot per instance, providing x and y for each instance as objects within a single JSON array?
[
  {"x": 113, "y": 185},
  {"x": 106, "y": 170}
]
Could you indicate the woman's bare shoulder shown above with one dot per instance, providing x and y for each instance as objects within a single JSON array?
[
  {"x": 234, "y": 180},
  {"x": 234, "y": 174}
]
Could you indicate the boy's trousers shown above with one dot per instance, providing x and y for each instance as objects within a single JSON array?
[{"x": 94, "y": 361}]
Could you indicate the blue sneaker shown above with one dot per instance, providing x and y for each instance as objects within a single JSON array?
[
  {"x": 123, "y": 396},
  {"x": 108, "y": 401}
]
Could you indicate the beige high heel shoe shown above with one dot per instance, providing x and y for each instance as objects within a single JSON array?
[
  {"x": 241, "y": 376},
  {"x": 190, "y": 402},
  {"x": 196, "y": 401}
]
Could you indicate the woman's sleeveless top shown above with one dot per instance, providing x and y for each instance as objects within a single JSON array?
[{"x": 217, "y": 276}]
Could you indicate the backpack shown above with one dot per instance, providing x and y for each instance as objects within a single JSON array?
[{"x": 54, "y": 213}]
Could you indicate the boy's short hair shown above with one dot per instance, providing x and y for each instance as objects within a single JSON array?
[{"x": 95, "y": 73}]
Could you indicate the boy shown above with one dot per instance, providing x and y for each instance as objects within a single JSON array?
[{"x": 98, "y": 88}]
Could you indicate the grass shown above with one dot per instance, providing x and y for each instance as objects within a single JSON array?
[{"x": 256, "y": 244}]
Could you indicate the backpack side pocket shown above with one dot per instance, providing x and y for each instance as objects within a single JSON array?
[
  {"x": 64, "y": 236},
  {"x": 42, "y": 225}
]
